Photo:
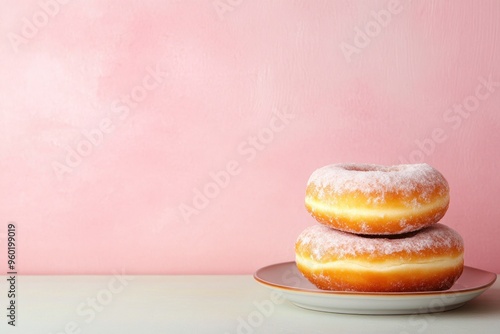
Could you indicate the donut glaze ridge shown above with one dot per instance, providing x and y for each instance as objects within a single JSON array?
[
  {"x": 428, "y": 260},
  {"x": 374, "y": 199}
]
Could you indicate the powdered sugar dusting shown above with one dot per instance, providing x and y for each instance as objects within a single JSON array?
[
  {"x": 375, "y": 180},
  {"x": 323, "y": 241}
]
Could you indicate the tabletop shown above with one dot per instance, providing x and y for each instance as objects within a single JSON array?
[{"x": 205, "y": 304}]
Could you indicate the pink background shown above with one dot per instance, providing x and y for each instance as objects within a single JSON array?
[{"x": 347, "y": 88}]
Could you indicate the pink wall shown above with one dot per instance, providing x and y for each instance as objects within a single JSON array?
[{"x": 257, "y": 94}]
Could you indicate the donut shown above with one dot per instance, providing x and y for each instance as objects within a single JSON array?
[
  {"x": 374, "y": 199},
  {"x": 428, "y": 260}
]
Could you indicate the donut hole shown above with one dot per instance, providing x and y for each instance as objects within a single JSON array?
[
  {"x": 361, "y": 168},
  {"x": 372, "y": 168}
]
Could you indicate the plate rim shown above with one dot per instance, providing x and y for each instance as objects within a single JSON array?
[{"x": 371, "y": 294}]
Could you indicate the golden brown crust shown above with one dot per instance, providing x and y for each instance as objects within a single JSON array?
[
  {"x": 427, "y": 260},
  {"x": 356, "y": 203},
  {"x": 403, "y": 280}
]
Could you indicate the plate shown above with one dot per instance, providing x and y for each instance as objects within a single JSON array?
[{"x": 286, "y": 278}]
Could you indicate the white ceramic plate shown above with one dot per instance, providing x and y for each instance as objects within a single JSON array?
[{"x": 286, "y": 278}]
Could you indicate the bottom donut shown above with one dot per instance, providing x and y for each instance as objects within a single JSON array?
[{"x": 427, "y": 260}]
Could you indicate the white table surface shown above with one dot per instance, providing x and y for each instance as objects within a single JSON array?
[{"x": 207, "y": 304}]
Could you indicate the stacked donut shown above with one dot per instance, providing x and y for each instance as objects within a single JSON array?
[{"x": 379, "y": 230}]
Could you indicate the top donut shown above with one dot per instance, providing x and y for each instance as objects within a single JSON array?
[{"x": 377, "y": 200}]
